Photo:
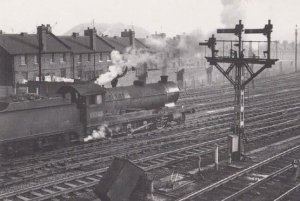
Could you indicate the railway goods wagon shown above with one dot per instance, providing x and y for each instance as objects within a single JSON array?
[{"x": 27, "y": 124}]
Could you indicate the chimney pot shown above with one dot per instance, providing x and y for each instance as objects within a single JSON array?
[
  {"x": 75, "y": 34},
  {"x": 164, "y": 79},
  {"x": 49, "y": 28}
]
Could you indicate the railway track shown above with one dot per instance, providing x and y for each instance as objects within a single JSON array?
[
  {"x": 260, "y": 104},
  {"x": 292, "y": 194},
  {"x": 90, "y": 178},
  {"x": 134, "y": 148},
  {"x": 260, "y": 84},
  {"x": 36, "y": 193},
  {"x": 239, "y": 186},
  {"x": 83, "y": 145},
  {"x": 21, "y": 171}
]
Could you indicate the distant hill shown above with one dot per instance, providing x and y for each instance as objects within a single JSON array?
[{"x": 109, "y": 29}]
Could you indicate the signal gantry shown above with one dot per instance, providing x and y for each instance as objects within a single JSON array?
[{"x": 239, "y": 67}]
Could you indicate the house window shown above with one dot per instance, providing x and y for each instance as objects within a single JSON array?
[
  {"x": 105, "y": 58},
  {"x": 63, "y": 72},
  {"x": 35, "y": 59},
  {"x": 23, "y": 59},
  {"x": 79, "y": 60},
  {"x": 108, "y": 57},
  {"x": 79, "y": 74},
  {"x": 63, "y": 58},
  {"x": 89, "y": 57},
  {"x": 100, "y": 57},
  {"x": 52, "y": 58},
  {"x": 88, "y": 75},
  {"x": 24, "y": 75}
]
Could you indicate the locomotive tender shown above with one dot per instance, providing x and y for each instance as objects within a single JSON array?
[{"x": 29, "y": 125}]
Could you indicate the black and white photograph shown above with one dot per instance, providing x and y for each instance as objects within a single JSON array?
[{"x": 149, "y": 100}]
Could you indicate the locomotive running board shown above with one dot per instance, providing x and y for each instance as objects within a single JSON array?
[{"x": 141, "y": 127}]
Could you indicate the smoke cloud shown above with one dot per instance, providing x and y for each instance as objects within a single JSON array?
[
  {"x": 131, "y": 58},
  {"x": 232, "y": 12},
  {"x": 113, "y": 70},
  {"x": 162, "y": 51}
]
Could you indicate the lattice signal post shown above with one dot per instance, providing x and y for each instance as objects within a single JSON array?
[{"x": 239, "y": 64}]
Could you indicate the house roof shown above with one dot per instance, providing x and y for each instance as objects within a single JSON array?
[
  {"x": 121, "y": 43},
  {"x": 81, "y": 44},
  {"x": 28, "y": 44}
]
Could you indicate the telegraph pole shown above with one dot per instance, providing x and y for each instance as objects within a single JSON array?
[{"x": 296, "y": 35}]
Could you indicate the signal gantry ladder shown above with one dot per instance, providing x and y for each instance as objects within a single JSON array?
[{"x": 238, "y": 63}]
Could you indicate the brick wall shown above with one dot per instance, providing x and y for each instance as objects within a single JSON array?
[
  {"x": 5, "y": 68},
  {"x": 85, "y": 68},
  {"x": 51, "y": 65}
]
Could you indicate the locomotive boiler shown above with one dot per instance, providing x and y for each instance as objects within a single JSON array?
[{"x": 33, "y": 123}]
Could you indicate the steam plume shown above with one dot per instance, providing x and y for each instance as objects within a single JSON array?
[
  {"x": 131, "y": 58},
  {"x": 232, "y": 12}
]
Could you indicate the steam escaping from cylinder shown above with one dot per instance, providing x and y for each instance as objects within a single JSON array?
[{"x": 99, "y": 133}]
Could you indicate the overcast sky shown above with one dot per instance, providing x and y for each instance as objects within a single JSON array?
[{"x": 171, "y": 16}]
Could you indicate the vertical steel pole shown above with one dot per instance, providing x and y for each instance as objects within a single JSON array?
[
  {"x": 296, "y": 35},
  {"x": 216, "y": 157},
  {"x": 240, "y": 99}
]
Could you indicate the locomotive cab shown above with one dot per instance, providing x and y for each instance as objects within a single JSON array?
[{"x": 89, "y": 99}]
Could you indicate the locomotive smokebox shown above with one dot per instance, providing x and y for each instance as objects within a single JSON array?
[{"x": 164, "y": 79}]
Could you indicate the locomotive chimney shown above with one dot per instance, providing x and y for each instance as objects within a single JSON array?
[{"x": 164, "y": 79}]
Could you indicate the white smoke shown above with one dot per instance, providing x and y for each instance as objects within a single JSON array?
[
  {"x": 131, "y": 58},
  {"x": 113, "y": 70},
  {"x": 137, "y": 57},
  {"x": 157, "y": 43},
  {"x": 99, "y": 133},
  {"x": 233, "y": 11}
]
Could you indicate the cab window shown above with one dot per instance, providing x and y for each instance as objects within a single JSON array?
[
  {"x": 99, "y": 99},
  {"x": 95, "y": 99},
  {"x": 92, "y": 100}
]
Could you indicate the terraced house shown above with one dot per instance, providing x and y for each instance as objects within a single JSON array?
[
  {"x": 33, "y": 56},
  {"x": 20, "y": 54},
  {"x": 80, "y": 57},
  {"x": 90, "y": 54}
]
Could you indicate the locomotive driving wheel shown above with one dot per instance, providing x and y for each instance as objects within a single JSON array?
[{"x": 161, "y": 122}]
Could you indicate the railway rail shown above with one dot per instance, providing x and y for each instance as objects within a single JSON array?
[
  {"x": 240, "y": 183},
  {"x": 79, "y": 161},
  {"x": 270, "y": 127},
  {"x": 90, "y": 178}
]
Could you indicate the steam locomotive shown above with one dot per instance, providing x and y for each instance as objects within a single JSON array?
[{"x": 83, "y": 110}]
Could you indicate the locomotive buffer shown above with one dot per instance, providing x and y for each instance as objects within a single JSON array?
[{"x": 239, "y": 64}]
